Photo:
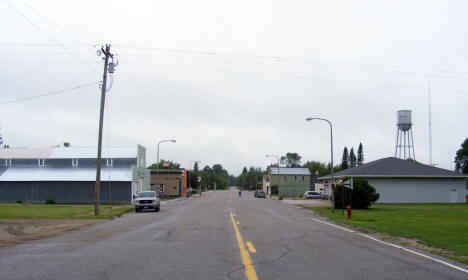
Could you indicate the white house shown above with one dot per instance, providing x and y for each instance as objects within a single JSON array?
[{"x": 406, "y": 181}]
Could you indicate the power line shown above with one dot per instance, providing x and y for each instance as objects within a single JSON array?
[
  {"x": 53, "y": 23},
  {"x": 307, "y": 65},
  {"x": 48, "y": 94},
  {"x": 298, "y": 77},
  {"x": 47, "y": 35},
  {"x": 289, "y": 59}
]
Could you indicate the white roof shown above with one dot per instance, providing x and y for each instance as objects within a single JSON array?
[
  {"x": 111, "y": 152},
  {"x": 70, "y": 152},
  {"x": 26, "y": 153},
  {"x": 44, "y": 173},
  {"x": 289, "y": 171}
]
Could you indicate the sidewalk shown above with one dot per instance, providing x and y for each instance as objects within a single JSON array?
[{"x": 307, "y": 202}]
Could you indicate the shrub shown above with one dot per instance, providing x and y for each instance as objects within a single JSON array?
[
  {"x": 362, "y": 195},
  {"x": 19, "y": 201},
  {"x": 274, "y": 189},
  {"x": 50, "y": 201}
]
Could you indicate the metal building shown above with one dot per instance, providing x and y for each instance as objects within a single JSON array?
[{"x": 68, "y": 175}]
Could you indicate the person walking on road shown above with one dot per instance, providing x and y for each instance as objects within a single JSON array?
[{"x": 240, "y": 193}]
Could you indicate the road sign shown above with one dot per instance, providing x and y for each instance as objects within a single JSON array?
[
  {"x": 326, "y": 183},
  {"x": 348, "y": 184}
]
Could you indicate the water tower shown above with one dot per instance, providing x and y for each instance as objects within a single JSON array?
[{"x": 404, "y": 140}]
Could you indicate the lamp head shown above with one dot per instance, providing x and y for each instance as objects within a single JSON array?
[{"x": 309, "y": 119}]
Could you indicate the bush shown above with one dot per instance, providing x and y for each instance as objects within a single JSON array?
[
  {"x": 362, "y": 195},
  {"x": 50, "y": 201},
  {"x": 19, "y": 201},
  {"x": 274, "y": 189}
]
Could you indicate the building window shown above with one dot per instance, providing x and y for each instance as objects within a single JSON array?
[
  {"x": 8, "y": 162},
  {"x": 41, "y": 162},
  {"x": 302, "y": 178},
  {"x": 285, "y": 178},
  {"x": 109, "y": 162},
  {"x": 75, "y": 162},
  {"x": 295, "y": 178}
]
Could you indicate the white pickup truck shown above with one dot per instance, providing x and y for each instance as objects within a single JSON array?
[{"x": 147, "y": 200}]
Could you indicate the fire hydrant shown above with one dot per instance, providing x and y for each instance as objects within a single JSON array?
[{"x": 348, "y": 208}]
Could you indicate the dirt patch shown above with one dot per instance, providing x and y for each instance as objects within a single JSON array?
[{"x": 13, "y": 232}]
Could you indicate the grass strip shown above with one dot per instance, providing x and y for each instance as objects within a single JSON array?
[
  {"x": 60, "y": 211},
  {"x": 442, "y": 227}
]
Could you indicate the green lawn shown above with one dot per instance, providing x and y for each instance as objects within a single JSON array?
[
  {"x": 58, "y": 211},
  {"x": 443, "y": 226}
]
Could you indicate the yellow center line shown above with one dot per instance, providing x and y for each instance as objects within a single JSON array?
[
  {"x": 238, "y": 222},
  {"x": 249, "y": 269},
  {"x": 251, "y": 247}
]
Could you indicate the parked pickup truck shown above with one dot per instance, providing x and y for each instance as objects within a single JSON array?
[{"x": 147, "y": 200}]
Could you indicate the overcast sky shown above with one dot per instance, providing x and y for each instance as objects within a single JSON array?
[{"x": 232, "y": 81}]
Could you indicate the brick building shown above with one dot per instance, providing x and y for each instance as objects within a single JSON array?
[{"x": 169, "y": 182}]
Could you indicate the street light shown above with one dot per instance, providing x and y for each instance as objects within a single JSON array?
[
  {"x": 190, "y": 167},
  {"x": 331, "y": 155},
  {"x": 157, "y": 159}
]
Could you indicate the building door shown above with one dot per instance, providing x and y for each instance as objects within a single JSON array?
[{"x": 453, "y": 196}]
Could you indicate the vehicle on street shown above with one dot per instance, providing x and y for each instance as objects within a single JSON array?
[
  {"x": 260, "y": 193},
  {"x": 312, "y": 195},
  {"x": 147, "y": 200}
]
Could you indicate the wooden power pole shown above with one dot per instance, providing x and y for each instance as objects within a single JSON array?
[{"x": 108, "y": 54}]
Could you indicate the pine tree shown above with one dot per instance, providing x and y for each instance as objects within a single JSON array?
[
  {"x": 352, "y": 158},
  {"x": 345, "y": 159},
  {"x": 360, "y": 155},
  {"x": 195, "y": 167}
]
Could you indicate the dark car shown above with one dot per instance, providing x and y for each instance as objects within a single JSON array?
[{"x": 260, "y": 193}]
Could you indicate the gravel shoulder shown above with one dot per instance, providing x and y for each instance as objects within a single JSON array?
[{"x": 14, "y": 232}]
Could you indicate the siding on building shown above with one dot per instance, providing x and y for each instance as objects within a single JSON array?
[
  {"x": 418, "y": 190},
  {"x": 64, "y": 192},
  {"x": 290, "y": 185}
]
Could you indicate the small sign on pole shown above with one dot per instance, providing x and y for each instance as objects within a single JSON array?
[{"x": 348, "y": 184}]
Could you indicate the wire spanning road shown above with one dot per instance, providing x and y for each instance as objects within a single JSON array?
[{"x": 217, "y": 236}]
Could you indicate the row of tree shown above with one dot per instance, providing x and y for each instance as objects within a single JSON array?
[
  {"x": 248, "y": 179},
  {"x": 350, "y": 160}
]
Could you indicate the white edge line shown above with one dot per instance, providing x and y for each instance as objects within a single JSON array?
[{"x": 396, "y": 246}]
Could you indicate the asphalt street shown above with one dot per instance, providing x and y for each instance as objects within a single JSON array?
[{"x": 217, "y": 236}]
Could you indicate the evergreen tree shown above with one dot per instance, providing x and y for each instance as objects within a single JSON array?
[
  {"x": 195, "y": 167},
  {"x": 461, "y": 158},
  {"x": 360, "y": 155},
  {"x": 352, "y": 158},
  {"x": 345, "y": 159}
]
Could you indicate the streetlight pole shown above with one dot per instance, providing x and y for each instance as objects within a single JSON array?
[
  {"x": 157, "y": 159},
  {"x": 278, "y": 158},
  {"x": 331, "y": 156}
]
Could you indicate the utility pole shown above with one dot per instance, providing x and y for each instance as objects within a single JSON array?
[{"x": 108, "y": 54}]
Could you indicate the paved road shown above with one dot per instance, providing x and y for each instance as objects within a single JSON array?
[{"x": 206, "y": 238}]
